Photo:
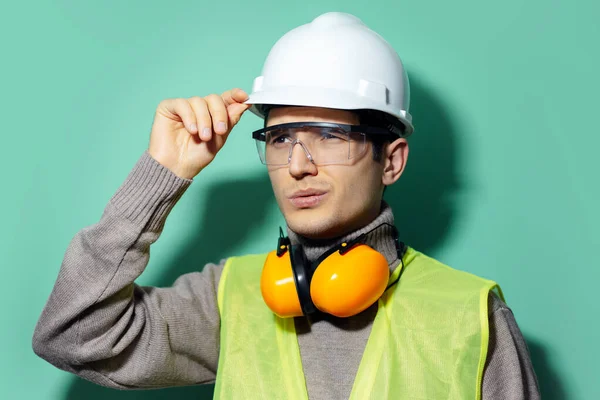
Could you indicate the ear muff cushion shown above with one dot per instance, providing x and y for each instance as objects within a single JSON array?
[
  {"x": 345, "y": 285},
  {"x": 278, "y": 286}
]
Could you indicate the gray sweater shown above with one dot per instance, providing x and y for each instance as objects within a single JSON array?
[{"x": 99, "y": 324}]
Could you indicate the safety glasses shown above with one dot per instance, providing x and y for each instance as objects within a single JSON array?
[{"x": 323, "y": 142}]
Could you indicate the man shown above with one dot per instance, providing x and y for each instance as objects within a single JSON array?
[{"x": 341, "y": 308}]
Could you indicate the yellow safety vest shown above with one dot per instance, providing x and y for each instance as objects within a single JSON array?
[{"x": 429, "y": 338}]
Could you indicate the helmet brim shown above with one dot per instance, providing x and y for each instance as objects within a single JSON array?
[{"x": 325, "y": 98}]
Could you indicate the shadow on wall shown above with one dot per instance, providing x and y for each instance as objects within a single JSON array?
[
  {"x": 424, "y": 211},
  {"x": 422, "y": 198},
  {"x": 551, "y": 387}
]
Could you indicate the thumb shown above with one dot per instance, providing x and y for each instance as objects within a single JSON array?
[
  {"x": 235, "y": 95},
  {"x": 235, "y": 112}
]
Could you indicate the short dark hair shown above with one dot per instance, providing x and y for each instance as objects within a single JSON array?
[
  {"x": 373, "y": 118},
  {"x": 378, "y": 119}
]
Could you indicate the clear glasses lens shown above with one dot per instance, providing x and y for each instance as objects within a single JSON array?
[{"x": 326, "y": 145}]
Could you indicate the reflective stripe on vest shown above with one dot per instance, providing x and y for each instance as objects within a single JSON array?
[{"x": 429, "y": 338}]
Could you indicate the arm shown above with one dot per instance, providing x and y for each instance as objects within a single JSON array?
[
  {"x": 100, "y": 325},
  {"x": 508, "y": 372}
]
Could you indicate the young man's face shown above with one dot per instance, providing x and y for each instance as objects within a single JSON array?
[{"x": 347, "y": 197}]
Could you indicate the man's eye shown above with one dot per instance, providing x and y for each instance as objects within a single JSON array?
[
  {"x": 280, "y": 139},
  {"x": 327, "y": 135}
]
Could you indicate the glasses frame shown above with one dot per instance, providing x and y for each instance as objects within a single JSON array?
[
  {"x": 366, "y": 129},
  {"x": 260, "y": 134}
]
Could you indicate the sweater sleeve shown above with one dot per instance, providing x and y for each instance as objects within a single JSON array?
[
  {"x": 508, "y": 372},
  {"x": 100, "y": 325}
]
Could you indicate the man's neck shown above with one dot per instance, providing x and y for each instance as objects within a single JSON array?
[{"x": 381, "y": 238}]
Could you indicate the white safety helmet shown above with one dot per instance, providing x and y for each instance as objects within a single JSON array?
[{"x": 335, "y": 61}]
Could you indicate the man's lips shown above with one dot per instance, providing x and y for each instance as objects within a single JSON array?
[
  {"x": 307, "y": 198},
  {"x": 306, "y": 193}
]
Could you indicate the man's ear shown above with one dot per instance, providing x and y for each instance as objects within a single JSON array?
[{"x": 395, "y": 155}]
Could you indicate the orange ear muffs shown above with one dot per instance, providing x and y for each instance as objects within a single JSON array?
[
  {"x": 348, "y": 282},
  {"x": 343, "y": 281},
  {"x": 278, "y": 286}
]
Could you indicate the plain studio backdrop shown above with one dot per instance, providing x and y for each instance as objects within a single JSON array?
[{"x": 502, "y": 178}]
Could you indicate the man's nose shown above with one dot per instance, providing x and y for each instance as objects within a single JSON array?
[{"x": 301, "y": 161}]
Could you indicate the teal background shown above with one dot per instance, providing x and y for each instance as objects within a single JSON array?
[{"x": 501, "y": 180}]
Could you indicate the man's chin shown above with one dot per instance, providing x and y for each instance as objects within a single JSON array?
[
  {"x": 311, "y": 223},
  {"x": 303, "y": 220}
]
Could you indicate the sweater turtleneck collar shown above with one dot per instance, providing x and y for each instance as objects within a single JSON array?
[{"x": 381, "y": 239}]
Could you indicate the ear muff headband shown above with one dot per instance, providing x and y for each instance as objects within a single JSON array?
[{"x": 303, "y": 273}]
